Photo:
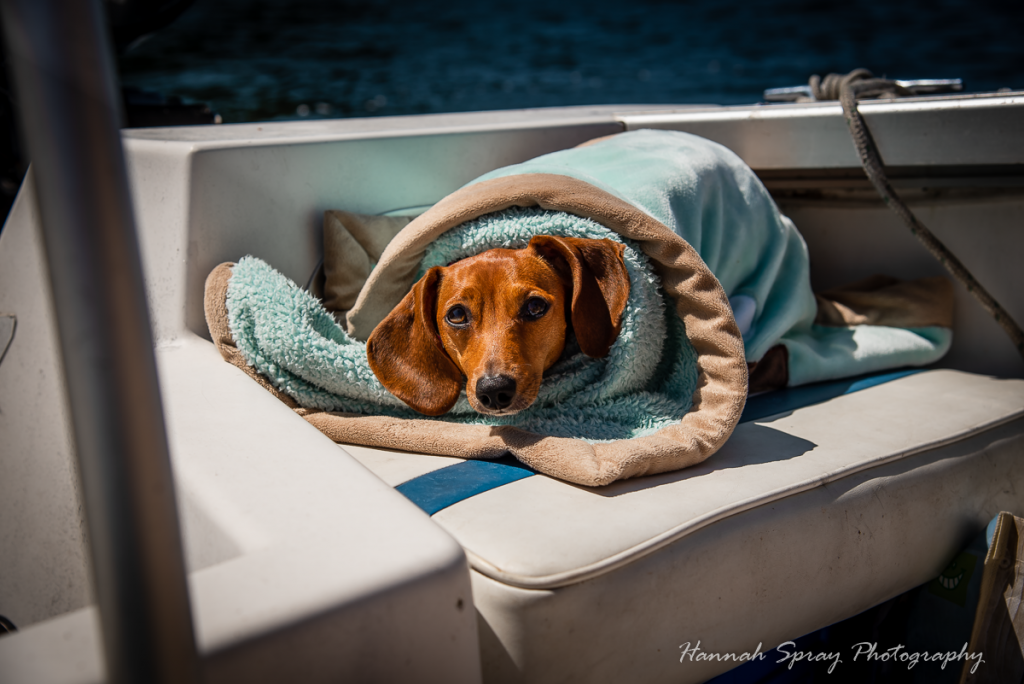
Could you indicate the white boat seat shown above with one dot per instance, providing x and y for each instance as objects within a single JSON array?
[{"x": 826, "y": 500}]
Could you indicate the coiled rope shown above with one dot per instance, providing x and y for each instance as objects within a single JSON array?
[{"x": 860, "y": 83}]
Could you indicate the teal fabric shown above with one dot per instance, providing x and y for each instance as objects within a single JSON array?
[
  {"x": 709, "y": 197},
  {"x": 699, "y": 189},
  {"x": 645, "y": 383},
  {"x": 820, "y": 352}
]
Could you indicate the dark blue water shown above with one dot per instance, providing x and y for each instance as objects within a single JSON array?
[{"x": 255, "y": 60}]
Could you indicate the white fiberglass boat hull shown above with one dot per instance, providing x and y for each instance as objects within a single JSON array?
[{"x": 305, "y": 564}]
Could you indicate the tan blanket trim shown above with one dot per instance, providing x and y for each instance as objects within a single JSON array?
[
  {"x": 702, "y": 304},
  {"x": 568, "y": 459},
  {"x": 395, "y": 273},
  {"x": 215, "y": 302},
  {"x": 722, "y": 384}
]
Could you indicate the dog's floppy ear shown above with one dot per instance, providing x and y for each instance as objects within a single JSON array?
[
  {"x": 406, "y": 354},
  {"x": 600, "y": 286}
]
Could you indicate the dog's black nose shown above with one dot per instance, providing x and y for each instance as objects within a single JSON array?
[{"x": 495, "y": 391}]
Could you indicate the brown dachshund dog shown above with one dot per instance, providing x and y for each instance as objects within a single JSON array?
[{"x": 499, "y": 320}]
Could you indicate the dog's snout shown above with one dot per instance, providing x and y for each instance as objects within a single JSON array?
[{"x": 495, "y": 392}]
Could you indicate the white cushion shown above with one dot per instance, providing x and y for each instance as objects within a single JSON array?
[{"x": 802, "y": 519}]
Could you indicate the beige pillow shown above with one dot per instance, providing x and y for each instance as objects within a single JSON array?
[{"x": 353, "y": 244}]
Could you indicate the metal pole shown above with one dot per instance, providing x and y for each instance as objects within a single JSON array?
[{"x": 70, "y": 113}]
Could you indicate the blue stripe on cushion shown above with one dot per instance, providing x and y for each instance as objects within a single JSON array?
[
  {"x": 441, "y": 488},
  {"x": 449, "y": 485}
]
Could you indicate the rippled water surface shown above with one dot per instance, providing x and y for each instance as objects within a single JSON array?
[{"x": 255, "y": 60}]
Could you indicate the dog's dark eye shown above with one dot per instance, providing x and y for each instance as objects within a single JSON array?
[
  {"x": 535, "y": 307},
  {"x": 457, "y": 316}
]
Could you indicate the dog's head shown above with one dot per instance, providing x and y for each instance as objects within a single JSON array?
[{"x": 499, "y": 319}]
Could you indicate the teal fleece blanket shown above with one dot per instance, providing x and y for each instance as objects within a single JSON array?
[
  {"x": 644, "y": 384},
  {"x": 700, "y": 190}
]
